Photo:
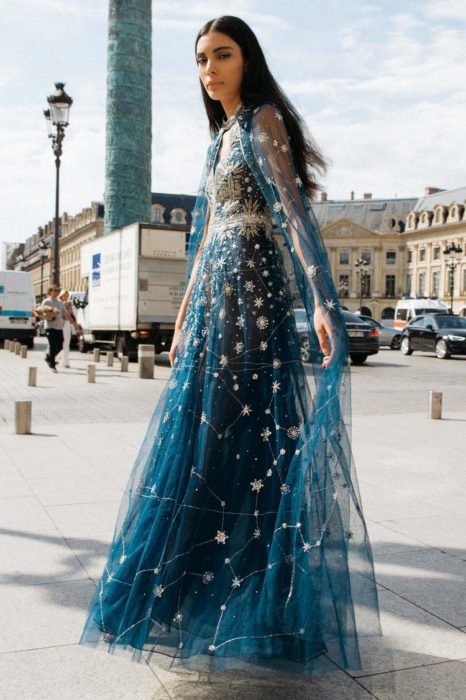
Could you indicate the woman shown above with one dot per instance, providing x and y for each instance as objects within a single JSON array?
[
  {"x": 248, "y": 545},
  {"x": 64, "y": 297}
]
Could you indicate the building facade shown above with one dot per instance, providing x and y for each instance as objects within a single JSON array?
[{"x": 401, "y": 241}]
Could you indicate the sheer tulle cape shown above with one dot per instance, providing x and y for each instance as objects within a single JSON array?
[{"x": 329, "y": 594}]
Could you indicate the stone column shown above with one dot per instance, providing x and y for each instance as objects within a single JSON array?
[{"x": 129, "y": 114}]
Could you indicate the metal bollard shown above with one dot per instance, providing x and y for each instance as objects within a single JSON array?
[
  {"x": 435, "y": 404},
  {"x": 124, "y": 363},
  {"x": 146, "y": 359},
  {"x": 24, "y": 351},
  {"x": 32, "y": 376},
  {"x": 96, "y": 354},
  {"x": 91, "y": 374},
  {"x": 109, "y": 359},
  {"x": 23, "y": 417},
  {"x": 17, "y": 348}
]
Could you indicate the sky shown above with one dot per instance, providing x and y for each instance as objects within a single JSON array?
[{"x": 380, "y": 85}]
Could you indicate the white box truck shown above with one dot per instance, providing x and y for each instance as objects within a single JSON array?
[
  {"x": 134, "y": 291},
  {"x": 17, "y": 301}
]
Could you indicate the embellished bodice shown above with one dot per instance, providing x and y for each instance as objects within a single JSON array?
[{"x": 235, "y": 200}]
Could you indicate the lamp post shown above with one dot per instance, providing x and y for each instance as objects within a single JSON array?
[
  {"x": 450, "y": 252},
  {"x": 360, "y": 265},
  {"x": 43, "y": 254},
  {"x": 57, "y": 115}
]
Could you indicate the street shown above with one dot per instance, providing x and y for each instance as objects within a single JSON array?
[{"x": 60, "y": 489}]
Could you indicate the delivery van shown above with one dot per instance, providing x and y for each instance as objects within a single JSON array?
[
  {"x": 410, "y": 307},
  {"x": 17, "y": 301}
]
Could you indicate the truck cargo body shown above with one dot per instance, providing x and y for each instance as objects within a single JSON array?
[{"x": 135, "y": 288}]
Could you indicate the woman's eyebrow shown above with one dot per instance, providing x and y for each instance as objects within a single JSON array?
[{"x": 219, "y": 48}]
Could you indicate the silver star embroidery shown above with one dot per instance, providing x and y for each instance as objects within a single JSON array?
[{"x": 257, "y": 485}]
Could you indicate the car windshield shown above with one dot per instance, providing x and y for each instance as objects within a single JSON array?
[{"x": 451, "y": 322}]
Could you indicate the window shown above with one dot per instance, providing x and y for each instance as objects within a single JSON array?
[
  {"x": 367, "y": 255},
  {"x": 409, "y": 255},
  {"x": 436, "y": 283},
  {"x": 344, "y": 257},
  {"x": 390, "y": 281},
  {"x": 436, "y": 252},
  {"x": 464, "y": 281},
  {"x": 343, "y": 285},
  {"x": 422, "y": 254},
  {"x": 421, "y": 286},
  {"x": 156, "y": 215},
  {"x": 366, "y": 285},
  {"x": 390, "y": 257},
  {"x": 408, "y": 283}
]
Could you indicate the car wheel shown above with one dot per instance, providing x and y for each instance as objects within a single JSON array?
[
  {"x": 358, "y": 359},
  {"x": 441, "y": 350},
  {"x": 396, "y": 342},
  {"x": 405, "y": 346},
  {"x": 305, "y": 348}
]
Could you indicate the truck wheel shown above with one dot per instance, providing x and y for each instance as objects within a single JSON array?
[
  {"x": 82, "y": 345},
  {"x": 305, "y": 349}
]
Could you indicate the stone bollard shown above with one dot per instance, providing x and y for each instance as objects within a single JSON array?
[
  {"x": 23, "y": 417},
  {"x": 11, "y": 346},
  {"x": 6, "y": 344},
  {"x": 109, "y": 359},
  {"x": 24, "y": 351},
  {"x": 124, "y": 363},
  {"x": 435, "y": 404},
  {"x": 146, "y": 359},
  {"x": 96, "y": 354},
  {"x": 91, "y": 374},
  {"x": 17, "y": 348},
  {"x": 32, "y": 376}
]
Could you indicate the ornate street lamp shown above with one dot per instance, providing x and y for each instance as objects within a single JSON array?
[
  {"x": 57, "y": 116},
  {"x": 450, "y": 252},
  {"x": 360, "y": 265}
]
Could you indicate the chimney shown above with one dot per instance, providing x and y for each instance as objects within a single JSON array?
[
  {"x": 432, "y": 190},
  {"x": 323, "y": 196},
  {"x": 352, "y": 195},
  {"x": 367, "y": 195}
]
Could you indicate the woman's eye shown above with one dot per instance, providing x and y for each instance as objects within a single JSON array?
[{"x": 224, "y": 55}]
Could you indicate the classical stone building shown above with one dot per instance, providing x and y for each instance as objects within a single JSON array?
[{"x": 402, "y": 240}]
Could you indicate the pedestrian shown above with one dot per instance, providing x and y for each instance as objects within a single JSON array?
[
  {"x": 54, "y": 313},
  {"x": 246, "y": 548},
  {"x": 64, "y": 297}
]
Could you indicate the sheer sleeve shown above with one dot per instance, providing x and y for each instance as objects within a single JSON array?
[{"x": 292, "y": 209}]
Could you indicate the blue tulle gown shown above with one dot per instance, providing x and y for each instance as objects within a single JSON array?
[{"x": 240, "y": 539}]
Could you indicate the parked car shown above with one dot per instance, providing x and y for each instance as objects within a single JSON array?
[
  {"x": 363, "y": 337},
  {"x": 388, "y": 337},
  {"x": 444, "y": 334}
]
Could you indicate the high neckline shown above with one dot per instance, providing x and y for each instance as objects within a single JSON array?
[{"x": 239, "y": 109}]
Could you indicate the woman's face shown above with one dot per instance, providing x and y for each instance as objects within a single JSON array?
[{"x": 221, "y": 65}]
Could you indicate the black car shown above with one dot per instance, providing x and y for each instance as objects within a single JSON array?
[
  {"x": 444, "y": 334},
  {"x": 363, "y": 337}
]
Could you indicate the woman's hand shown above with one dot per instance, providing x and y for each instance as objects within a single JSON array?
[
  {"x": 174, "y": 345},
  {"x": 323, "y": 333}
]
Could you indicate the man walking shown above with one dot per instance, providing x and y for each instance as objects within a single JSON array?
[{"x": 54, "y": 312}]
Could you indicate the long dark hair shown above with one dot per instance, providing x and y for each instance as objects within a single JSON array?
[{"x": 259, "y": 86}]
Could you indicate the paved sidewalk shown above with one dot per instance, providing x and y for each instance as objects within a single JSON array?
[{"x": 60, "y": 489}]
